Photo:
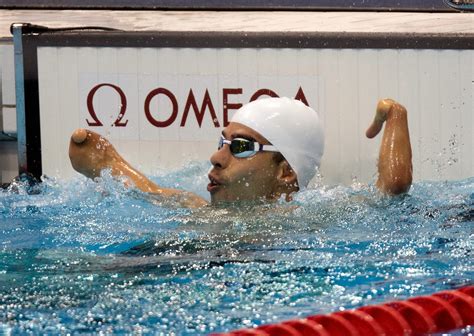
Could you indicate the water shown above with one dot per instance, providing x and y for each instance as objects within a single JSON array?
[{"x": 79, "y": 256}]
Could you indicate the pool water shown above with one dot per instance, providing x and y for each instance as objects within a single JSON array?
[{"x": 82, "y": 256}]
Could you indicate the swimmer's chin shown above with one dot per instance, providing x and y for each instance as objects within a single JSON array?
[
  {"x": 236, "y": 201},
  {"x": 217, "y": 199}
]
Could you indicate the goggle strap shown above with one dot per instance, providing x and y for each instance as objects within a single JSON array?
[{"x": 266, "y": 148}]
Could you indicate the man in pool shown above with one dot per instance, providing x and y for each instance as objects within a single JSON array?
[{"x": 271, "y": 148}]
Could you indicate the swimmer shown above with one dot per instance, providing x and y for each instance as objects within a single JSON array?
[{"x": 270, "y": 149}]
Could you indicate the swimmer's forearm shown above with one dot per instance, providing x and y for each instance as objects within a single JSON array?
[
  {"x": 165, "y": 195},
  {"x": 395, "y": 158},
  {"x": 135, "y": 178}
]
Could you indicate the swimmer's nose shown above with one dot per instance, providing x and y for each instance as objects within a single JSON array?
[
  {"x": 79, "y": 135},
  {"x": 220, "y": 158}
]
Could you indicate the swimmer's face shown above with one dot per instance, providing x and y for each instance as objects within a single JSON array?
[{"x": 242, "y": 179}]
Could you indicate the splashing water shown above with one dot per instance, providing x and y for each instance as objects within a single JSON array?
[{"x": 84, "y": 256}]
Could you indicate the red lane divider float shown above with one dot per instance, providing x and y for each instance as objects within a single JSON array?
[
  {"x": 419, "y": 321},
  {"x": 439, "y": 312},
  {"x": 389, "y": 319}
]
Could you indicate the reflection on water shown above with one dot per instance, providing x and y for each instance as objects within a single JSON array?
[{"x": 87, "y": 257}]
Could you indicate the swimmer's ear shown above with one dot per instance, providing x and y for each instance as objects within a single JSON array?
[{"x": 286, "y": 176}]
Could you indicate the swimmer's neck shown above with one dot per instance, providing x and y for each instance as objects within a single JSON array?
[{"x": 258, "y": 202}]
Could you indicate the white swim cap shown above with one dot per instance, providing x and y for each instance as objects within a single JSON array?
[{"x": 292, "y": 127}]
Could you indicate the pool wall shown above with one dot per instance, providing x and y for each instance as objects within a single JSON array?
[
  {"x": 177, "y": 89},
  {"x": 8, "y": 145}
]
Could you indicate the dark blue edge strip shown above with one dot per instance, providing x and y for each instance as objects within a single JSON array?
[
  {"x": 351, "y": 5},
  {"x": 274, "y": 39}
]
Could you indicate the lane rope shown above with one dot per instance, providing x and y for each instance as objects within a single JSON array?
[{"x": 436, "y": 313}]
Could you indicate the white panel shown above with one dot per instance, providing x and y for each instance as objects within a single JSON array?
[
  {"x": 162, "y": 108},
  {"x": 9, "y": 161},
  {"x": 309, "y": 85},
  {"x": 246, "y": 62},
  {"x": 428, "y": 107},
  {"x": 328, "y": 71},
  {"x": 127, "y": 64},
  {"x": 68, "y": 100},
  {"x": 168, "y": 61},
  {"x": 129, "y": 84},
  {"x": 234, "y": 96},
  {"x": 208, "y": 61},
  {"x": 368, "y": 96},
  {"x": 388, "y": 73},
  {"x": 107, "y": 100},
  {"x": 87, "y": 59},
  {"x": 388, "y": 76},
  {"x": 9, "y": 119},
  {"x": 287, "y": 61},
  {"x": 147, "y": 61},
  {"x": 168, "y": 73},
  {"x": 7, "y": 81},
  {"x": 227, "y": 61},
  {"x": 206, "y": 82},
  {"x": 87, "y": 67},
  {"x": 228, "y": 78},
  {"x": 127, "y": 60},
  {"x": 7, "y": 73},
  {"x": 266, "y": 62},
  {"x": 267, "y": 83},
  {"x": 88, "y": 77},
  {"x": 192, "y": 130},
  {"x": 342, "y": 85},
  {"x": 466, "y": 79},
  {"x": 308, "y": 78},
  {"x": 350, "y": 129},
  {"x": 50, "y": 109},
  {"x": 187, "y": 61},
  {"x": 450, "y": 114},
  {"x": 470, "y": 106},
  {"x": 87, "y": 81},
  {"x": 248, "y": 68},
  {"x": 409, "y": 95},
  {"x": 287, "y": 68},
  {"x": 107, "y": 60},
  {"x": 8, "y": 150},
  {"x": 127, "y": 67},
  {"x": 172, "y": 152},
  {"x": 159, "y": 107},
  {"x": 150, "y": 151},
  {"x": 148, "y": 72},
  {"x": 307, "y": 62}
]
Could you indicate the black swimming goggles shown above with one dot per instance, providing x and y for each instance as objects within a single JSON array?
[{"x": 243, "y": 148}]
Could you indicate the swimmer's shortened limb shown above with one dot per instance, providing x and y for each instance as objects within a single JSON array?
[
  {"x": 90, "y": 153},
  {"x": 394, "y": 165}
]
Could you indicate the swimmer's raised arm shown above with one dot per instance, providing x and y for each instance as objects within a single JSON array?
[
  {"x": 90, "y": 153},
  {"x": 394, "y": 165}
]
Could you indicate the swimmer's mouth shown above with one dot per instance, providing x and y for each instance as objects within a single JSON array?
[{"x": 213, "y": 184}]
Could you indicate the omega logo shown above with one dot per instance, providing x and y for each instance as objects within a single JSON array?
[{"x": 190, "y": 104}]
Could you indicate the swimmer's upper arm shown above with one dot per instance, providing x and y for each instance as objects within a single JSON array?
[{"x": 395, "y": 157}]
